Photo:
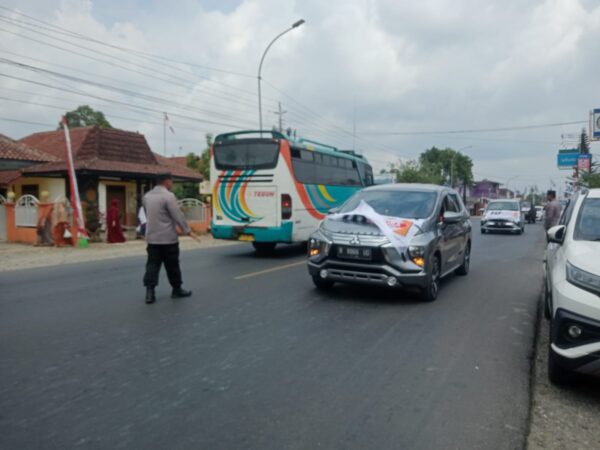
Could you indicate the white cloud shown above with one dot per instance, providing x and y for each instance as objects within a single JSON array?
[{"x": 394, "y": 66}]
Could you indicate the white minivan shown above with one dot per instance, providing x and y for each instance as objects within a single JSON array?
[{"x": 572, "y": 289}]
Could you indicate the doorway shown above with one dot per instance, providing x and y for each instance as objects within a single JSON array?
[{"x": 117, "y": 192}]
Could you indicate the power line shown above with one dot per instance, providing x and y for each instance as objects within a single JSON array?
[
  {"x": 475, "y": 130},
  {"x": 146, "y": 55}
]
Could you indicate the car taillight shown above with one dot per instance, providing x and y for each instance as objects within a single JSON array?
[{"x": 286, "y": 206}]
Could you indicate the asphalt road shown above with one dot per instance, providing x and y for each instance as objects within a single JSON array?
[{"x": 258, "y": 359}]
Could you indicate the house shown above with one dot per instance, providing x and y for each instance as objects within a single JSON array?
[
  {"x": 479, "y": 194},
  {"x": 110, "y": 164},
  {"x": 14, "y": 156}
]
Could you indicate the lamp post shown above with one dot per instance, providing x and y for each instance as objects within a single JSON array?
[{"x": 294, "y": 25}]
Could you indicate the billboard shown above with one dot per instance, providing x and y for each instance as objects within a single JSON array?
[
  {"x": 567, "y": 158},
  {"x": 595, "y": 125},
  {"x": 584, "y": 162}
]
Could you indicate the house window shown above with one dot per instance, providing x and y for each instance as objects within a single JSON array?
[{"x": 31, "y": 189}]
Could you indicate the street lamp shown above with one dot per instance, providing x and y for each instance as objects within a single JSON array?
[{"x": 294, "y": 25}]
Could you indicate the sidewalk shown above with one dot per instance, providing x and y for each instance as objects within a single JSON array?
[{"x": 21, "y": 256}]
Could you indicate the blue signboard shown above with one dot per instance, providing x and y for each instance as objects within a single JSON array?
[
  {"x": 566, "y": 160},
  {"x": 596, "y": 124}
]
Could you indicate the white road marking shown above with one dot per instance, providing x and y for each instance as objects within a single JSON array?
[{"x": 272, "y": 269}]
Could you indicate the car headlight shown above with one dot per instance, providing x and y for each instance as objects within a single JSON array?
[
  {"x": 584, "y": 280},
  {"x": 316, "y": 247},
  {"x": 417, "y": 255}
]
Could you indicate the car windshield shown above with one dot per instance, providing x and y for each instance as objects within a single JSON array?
[
  {"x": 396, "y": 203},
  {"x": 587, "y": 227},
  {"x": 503, "y": 206}
]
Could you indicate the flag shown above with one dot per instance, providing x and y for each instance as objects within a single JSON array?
[
  {"x": 168, "y": 122},
  {"x": 75, "y": 201}
]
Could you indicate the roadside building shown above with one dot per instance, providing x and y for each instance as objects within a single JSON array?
[{"x": 480, "y": 193}]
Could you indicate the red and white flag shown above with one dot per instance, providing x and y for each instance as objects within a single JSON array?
[
  {"x": 75, "y": 200},
  {"x": 168, "y": 122}
]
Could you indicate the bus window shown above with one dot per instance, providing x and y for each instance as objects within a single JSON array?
[
  {"x": 366, "y": 174},
  {"x": 246, "y": 155},
  {"x": 324, "y": 169}
]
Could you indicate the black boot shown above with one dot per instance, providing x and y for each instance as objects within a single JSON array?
[
  {"x": 180, "y": 293},
  {"x": 150, "y": 296}
]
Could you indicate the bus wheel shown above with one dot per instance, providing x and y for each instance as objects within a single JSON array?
[{"x": 264, "y": 248}]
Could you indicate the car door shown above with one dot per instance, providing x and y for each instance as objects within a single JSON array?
[
  {"x": 555, "y": 252},
  {"x": 462, "y": 229},
  {"x": 450, "y": 235}
]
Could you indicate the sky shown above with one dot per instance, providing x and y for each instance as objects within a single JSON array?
[{"x": 388, "y": 78}]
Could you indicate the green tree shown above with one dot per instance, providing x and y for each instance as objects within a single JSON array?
[
  {"x": 85, "y": 116},
  {"x": 447, "y": 166},
  {"x": 199, "y": 164},
  {"x": 413, "y": 172}
]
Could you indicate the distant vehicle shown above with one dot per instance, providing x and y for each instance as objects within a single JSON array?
[
  {"x": 503, "y": 215},
  {"x": 539, "y": 213},
  {"x": 525, "y": 207},
  {"x": 269, "y": 188},
  {"x": 354, "y": 250},
  {"x": 572, "y": 290}
]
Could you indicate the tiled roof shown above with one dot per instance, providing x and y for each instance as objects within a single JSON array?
[
  {"x": 94, "y": 142},
  {"x": 104, "y": 150},
  {"x": 8, "y": 176},
  {"x": 15, "y": 150}
]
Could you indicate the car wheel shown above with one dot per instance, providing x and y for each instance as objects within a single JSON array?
[
  {"x": 464, "y": 267},
  {"x": 557, "y": 374},
  {"x": 264, "y": 248},
  {"x": 322, "y": 284},
  {"x": 430, "y": 292}
]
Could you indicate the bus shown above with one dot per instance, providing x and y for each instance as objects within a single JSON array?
[{"x": 269, "y": 188}]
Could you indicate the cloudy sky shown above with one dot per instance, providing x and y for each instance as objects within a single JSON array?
[{"x": 387, "y": 77}]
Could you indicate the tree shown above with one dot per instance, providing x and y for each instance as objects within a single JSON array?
[
  {"x": 85, "y": 116},
  {"x": 413, "y": 172},
  {"x": 200, "y": 164},
  {"x": 447, "y": 165}
]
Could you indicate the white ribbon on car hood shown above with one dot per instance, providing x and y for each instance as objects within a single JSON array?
[
  {"x": 502, "y": 215},
  {"x": 399, "y": 231}
]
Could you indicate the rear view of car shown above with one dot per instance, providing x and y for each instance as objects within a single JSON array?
[
  {"x": 503, "y": 216},
  {"x": 572, "y": 290}
]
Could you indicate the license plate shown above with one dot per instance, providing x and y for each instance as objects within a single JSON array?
[
  {"x": 355, "y": 253},
  {"x": 246, "y": 237}
]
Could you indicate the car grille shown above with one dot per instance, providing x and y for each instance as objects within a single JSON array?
[{"x": 366, "y": 240}]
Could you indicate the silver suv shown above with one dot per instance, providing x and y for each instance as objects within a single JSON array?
[{"x": 353, "y": 250}]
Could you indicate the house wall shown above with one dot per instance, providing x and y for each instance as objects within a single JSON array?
[
  {"x": 54, "y": 186},
  {"x": 130, "y": 195}
]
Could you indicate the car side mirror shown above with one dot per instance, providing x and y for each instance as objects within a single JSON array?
[
  {"x": 452, "y": 217},
  {"x": 556, "y": 234}
]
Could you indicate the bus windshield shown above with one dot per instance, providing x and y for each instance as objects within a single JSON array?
[{"x": 243, "y": 155}]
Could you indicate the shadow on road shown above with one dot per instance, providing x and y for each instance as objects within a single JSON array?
[{"x": 281, "y": 252}]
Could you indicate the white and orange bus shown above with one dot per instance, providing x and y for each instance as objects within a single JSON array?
[{"x": 269, "y": 188}]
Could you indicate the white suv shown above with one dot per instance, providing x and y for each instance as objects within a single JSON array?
[{"x": 572, "y": 289}]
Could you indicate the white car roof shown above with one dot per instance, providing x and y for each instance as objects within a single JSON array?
[{"x": 594, "y": 193}]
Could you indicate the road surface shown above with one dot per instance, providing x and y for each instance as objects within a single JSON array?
[{"x": 258, "y": 359}]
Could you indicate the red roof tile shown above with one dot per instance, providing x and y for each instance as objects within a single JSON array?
[
  {"x": 176, "y": 168},
  {"x": 9, "y": 176},
  {"x": 104, "y": 150},
  {"x": 18, "y": 151}
]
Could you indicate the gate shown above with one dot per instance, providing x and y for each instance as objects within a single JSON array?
[
  {"x": 194, "y": 210},
  {"x": 26, "y": 212},
  {"x": 2, "y": 219}
]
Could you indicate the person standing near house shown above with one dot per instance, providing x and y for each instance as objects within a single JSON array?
[
  {"x": 114, "y": 232},
  {"x": 60, "y": 224},
  {"x": 163, "y": 217},
  {"x": 551, "y": 210},
  {"x": 44, "y": 227}
]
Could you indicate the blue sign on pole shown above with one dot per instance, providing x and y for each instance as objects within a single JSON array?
[
  {"x": 595, "y": 125},
  {"x": 566, "y": 160}
]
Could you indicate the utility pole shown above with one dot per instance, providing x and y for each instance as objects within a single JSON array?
[
  {"x": 280, "y": 112},
  {"x": 165, "y": 134}
]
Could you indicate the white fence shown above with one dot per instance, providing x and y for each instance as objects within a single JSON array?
[
  {"x": 26, "y": 211},
  {"x": 194, "y": 209}
]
